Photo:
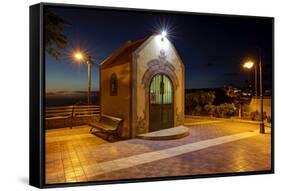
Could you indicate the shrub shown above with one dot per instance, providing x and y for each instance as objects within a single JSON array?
[
  {"x": 195, "y": 101},
  {"x": 227, "y": 109},
  {"x": 255, "y": 115},
  {"x": 197, "y": 110},
  {"x": 268, "y": 119},
  {"x": 223, "y": 110},
  {"x": 210, "y": 109}
]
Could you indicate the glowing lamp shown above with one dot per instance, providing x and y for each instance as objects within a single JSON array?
[
  {"x": 78, "y": 56},
  {"x": 163, "y": 35},
  {"x": 248, "y": 64}
]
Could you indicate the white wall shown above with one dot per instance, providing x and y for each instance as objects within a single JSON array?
[
  {"x": 150, "y": 51},
  {"x": 255, "y": 105}
]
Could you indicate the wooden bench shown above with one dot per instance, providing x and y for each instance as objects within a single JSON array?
[
  {"x": 71, "y": 112},
  {"x": 107, "y": 124}
]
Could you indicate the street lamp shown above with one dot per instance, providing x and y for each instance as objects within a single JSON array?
[
  {"x": 249, "y": 65},
  {"x": 80, "y": 57},
  {"x": 163, "y": 35}
]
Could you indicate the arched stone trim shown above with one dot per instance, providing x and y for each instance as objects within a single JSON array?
[
  {"x": 147, "y": 88},
  {"x": 157, "y": 66},
  {"x": 160, "y": 64}
]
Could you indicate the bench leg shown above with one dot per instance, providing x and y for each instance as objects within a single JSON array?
[
  {"x": 108, "y": 136},
  {"x": 91, "y": 130}
]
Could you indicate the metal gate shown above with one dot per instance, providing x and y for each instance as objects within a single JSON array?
[{"x": 160, "y": 103}]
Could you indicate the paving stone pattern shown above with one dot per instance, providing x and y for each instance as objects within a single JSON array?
[{"x": 74, "y": 155}]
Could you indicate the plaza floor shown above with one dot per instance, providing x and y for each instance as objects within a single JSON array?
[{"x": 74, "y": 155}]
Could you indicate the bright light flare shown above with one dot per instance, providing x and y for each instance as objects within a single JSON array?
[
  {"x": 78, "y": 56},
  {"x": 248, "y": 64},
  {"x": 163, "y": 34},
  {"x": 165, "y": 27}
]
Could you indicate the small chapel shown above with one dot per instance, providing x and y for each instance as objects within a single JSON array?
[{"x": 142, "y": 82}]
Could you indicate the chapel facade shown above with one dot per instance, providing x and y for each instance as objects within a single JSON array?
[{"x": 142, "y": 82}]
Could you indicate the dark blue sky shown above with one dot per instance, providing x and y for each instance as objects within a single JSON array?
[{"x": 211, "y": 47}]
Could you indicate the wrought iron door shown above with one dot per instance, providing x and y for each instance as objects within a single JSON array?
[{"x": 161, "y": 103}]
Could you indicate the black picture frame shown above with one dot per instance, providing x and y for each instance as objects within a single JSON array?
[{"x": 37, "y": 98}]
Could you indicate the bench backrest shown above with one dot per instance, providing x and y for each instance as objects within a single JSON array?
[
  {"x": 71, "y": 111},
  {"x": 110, "y": 121},
  {"x": 85, "y": 110}
]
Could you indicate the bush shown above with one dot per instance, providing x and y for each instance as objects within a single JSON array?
[
  {"x": 227, "y": 109},
  {"x": 197, "y": 110},
  {"x": 268, "y": 119},
  {"x": 255, "y": 115},
  {"x": 223, "y": 110},
  {"x": 210, "y": 109},
  {"x": 195, "y": 101}
]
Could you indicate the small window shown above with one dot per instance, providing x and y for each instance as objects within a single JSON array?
[{"x": 113, "y": 85}]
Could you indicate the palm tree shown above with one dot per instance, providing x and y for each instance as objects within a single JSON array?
[{"x": 55, "y": 39}]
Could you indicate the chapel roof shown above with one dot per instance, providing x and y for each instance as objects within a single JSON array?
[{"x": 123, "y": 54}]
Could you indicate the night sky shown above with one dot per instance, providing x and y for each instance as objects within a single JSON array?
[{"x": 211, "y": 47}]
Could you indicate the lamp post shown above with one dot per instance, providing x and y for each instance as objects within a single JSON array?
[
  {"x": 80, "y": 57},
  {"x": 261, "y": 99},
  {"x": 249, "y": 65}
]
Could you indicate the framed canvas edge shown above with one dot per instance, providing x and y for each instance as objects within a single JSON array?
[
  {"x": 146, "y": 10},
  {"x": 36, "y": 136},
  {"x": 41, "y": 89}
]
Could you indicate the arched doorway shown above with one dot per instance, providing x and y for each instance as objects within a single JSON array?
[{"x": 160, "y": 103}]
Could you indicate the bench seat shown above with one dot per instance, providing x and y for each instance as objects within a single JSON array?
[
  {"x": 102, "y": 127},
  {"x": 107, "y": 124}
]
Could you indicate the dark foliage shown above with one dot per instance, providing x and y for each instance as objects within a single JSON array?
[{"x": 55, "y": 39}]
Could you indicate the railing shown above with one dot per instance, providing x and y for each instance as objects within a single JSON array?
[{"x": 71, "y": 111}]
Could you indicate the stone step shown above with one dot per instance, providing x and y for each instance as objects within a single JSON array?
[{"x": 166, "y": 134}]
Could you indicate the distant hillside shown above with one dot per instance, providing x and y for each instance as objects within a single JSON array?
[{"x": 62, "y": 98}]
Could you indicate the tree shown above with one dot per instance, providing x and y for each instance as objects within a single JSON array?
[
  {"x": 195, "y": 101},
  {"x": 55, "y": 39}
]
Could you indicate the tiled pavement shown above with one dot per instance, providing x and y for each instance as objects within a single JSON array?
[
  {"x": 64, "y": 158},
  {"x": 74, "y": 155}
]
